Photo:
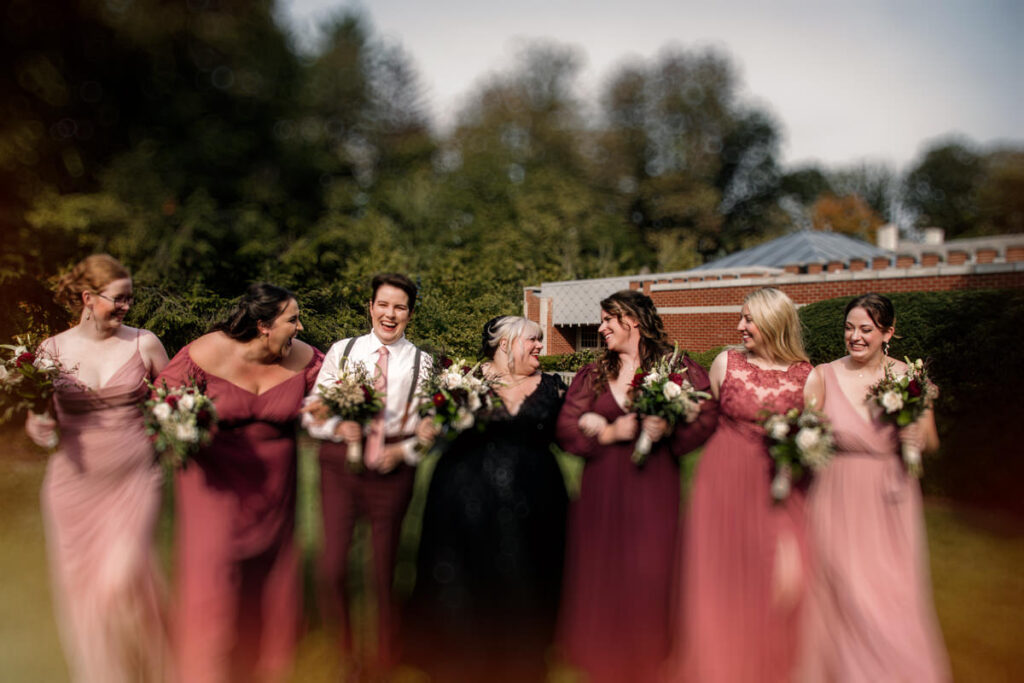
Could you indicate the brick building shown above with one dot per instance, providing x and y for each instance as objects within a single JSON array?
[{"x": 700, "y": 307}]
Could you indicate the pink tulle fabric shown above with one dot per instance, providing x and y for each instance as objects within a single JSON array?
[
  {"x": 869, "y": 614},
  {"x": 101, "y": 499}
]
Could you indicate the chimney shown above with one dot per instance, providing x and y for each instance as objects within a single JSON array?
[
  {"x": 934, "y": 235},
  {"x": 888, "y": 237}
]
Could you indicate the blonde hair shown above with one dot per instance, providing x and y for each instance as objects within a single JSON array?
[
  {"x": 511, "y": 327},
  {"x": 774, "y": 313},
  {"x": 91, "y": 274}
]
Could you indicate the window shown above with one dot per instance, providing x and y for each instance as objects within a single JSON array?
[{"x": 586, "y": 337}]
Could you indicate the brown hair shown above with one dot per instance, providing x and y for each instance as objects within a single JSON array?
[
  {"x": 398, "y": 280},
  {"x": 261, "y": 303},
  {"x": 91, "y": 274},
  {"x": 654, "y": 341},
  {"x": 878, "y": 308}
]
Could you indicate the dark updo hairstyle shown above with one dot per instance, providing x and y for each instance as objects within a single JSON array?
[
  {"x": 654, "y": 341},
  {"x": 402, "y": 282},
  {"x": 878, "y": 308},
  {"x": 91, "y": 274},
  {"x": 261, "y": 303},
  {"x": 486, "y": 348}
]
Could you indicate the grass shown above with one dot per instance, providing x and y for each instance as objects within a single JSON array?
[{"x": 975, "y": 557}]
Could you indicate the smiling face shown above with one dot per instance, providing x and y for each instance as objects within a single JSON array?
[
  {"x": 524, "y": 353},
  {"x": 109, "y": 306},
  {"x": 863, "y": 337},
  {"x": 389, "y": 313},
  {"x": 750, "y": 336},
  {"x": 622, "y": 335},
  {"x": 283, "y": 329}
]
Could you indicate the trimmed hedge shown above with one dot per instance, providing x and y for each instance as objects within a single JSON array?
[{"x": 971, "y": 340}]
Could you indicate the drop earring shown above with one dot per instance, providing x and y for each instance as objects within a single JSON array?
[{"x": 885, "y": 348}]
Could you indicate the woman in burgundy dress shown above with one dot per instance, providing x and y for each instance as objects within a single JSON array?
[
  {"x": 237, "y": 564},
  {"x": 614, "y": 622},
  {"x": 743, "y": 558},
  {"x": 101, "y": 495},
  {"x": 869, "y": 613}
]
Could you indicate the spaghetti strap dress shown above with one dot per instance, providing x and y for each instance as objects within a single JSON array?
[
  {"x": 869, "y": 613},
  {"x": 100, "y": 501}
]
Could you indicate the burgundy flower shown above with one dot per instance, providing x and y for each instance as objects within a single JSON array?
[
  {"x": 439, "y": 399},
  {"x": 203, "y": 418},
  {"x": 26, "y": 358},
  {"x": 676, "y": 377},
  {"x": 172, "y": 400},
  {"x": 446, "y": 362},
  {"x": 638, "y": 379},
  {"x": 367, "y": 393},
  {"x": 466, "y": 368},
  {"x": 914, "y": 388}
]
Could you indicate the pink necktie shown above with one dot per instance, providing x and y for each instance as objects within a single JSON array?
[{"x": 375, "y": 439}]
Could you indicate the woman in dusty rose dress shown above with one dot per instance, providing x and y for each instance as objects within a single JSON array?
[
  {"x": 869, "y": 614},
  {"x": 101, "y": 494},
  {"x": 743, "y": 554},
  {"x": 621, "y": 541},
  {"x": 237, "y": 572}
]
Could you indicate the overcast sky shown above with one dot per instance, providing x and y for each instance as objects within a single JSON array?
[{"x": 848, "y": 81}]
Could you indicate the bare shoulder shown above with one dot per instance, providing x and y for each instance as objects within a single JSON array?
[
  {"x": 300, "y": 355},
  {"x": 209, "y": 347},
  {"x": 897, "y": 365},
  {"x": 721, "y": 361}
]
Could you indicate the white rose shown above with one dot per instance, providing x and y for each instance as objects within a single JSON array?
[
  {"x": 892, "y": 401},
  {"x": 651, "y": 378},
  {"x": 186, "y": 432},
  {"x": 807, "y": 439},
  {"x": 671, "y": 390},
  {"x": 162, "y": 412},
  {"x": 778, "y": 428},
  {"x": 474, "y": 401},
  {"x": 186, "y": 403},
  {"x": 45, "y": 363},
  {"x": 463, "y": 420},
  {"x": 3, "y": 372}
]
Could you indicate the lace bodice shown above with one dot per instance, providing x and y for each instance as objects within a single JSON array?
[{"x": 747, "y": 390}]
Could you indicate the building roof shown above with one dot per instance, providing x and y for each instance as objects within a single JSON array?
[
  {"x": 574, "y": 302},
  {"x": 800, "y": 248}
]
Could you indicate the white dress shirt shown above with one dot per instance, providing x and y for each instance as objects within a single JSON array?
[{"x": 400, "y": 417}]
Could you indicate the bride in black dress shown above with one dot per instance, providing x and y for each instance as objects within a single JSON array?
[{"x": 490, "y": 557}]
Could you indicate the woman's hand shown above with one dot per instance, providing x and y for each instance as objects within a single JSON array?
[
  {"x": 317, "y": 410},
  {"x": 655, "y": 427},
  {"x": 426, "y": 431},
  {"x": 349, "y": 430},
  {"x": 624, "y": 428},
  {"x": 592, "y": 424},
  {"x": 42, "y": 429},
  {"x": 913, "y": 435}
]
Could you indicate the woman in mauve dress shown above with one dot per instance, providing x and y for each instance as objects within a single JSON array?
[
  {"x": 744, "y": 557},
  {"x": 621, "y": 544},
  {"x": 237, "y": 570},
  {"x": 869, "y": 614},
  {"x": 101, "y": 494}
]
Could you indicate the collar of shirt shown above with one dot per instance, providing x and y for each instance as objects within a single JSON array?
[{"x": 398, "y": 346}]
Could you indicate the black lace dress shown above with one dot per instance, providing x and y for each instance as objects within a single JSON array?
[{"x": 489, "y": 567}]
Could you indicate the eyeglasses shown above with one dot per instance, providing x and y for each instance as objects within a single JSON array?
[{"x": 118, "y": 300}]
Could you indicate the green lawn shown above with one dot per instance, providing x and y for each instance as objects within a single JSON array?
[{"x": 976, "y": 559}]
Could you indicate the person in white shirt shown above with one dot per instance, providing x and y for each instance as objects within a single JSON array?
[{"x": 382, "y": 488}]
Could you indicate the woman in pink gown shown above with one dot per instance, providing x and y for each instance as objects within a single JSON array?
[
  {"x": 869, "y": 614},
  {"x": 101, "y": 494},
  {"x": 621, "y": 539},
  {"x": 237, "y": 572},
  {"x": 743, "y": 559}
]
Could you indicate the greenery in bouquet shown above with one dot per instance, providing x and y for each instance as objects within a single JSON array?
[
  {"x": 352, "y": 397},
  {"x": 801, "y": 442},
  {"x": 180, "y": 421},
  {"x": 27, "y": 377},
  {"x": 456, "y": 395},
  {"x": 663, "y": 391},
  {"x": 903, "y": 398}
]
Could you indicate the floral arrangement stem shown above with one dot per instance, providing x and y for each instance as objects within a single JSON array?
[
  {"x": 642, "y": 448},
  {"x": 912, "y": 458}
]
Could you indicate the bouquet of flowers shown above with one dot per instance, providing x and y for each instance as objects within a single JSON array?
[
  {"x": 800, "y": 441},
  {"x": 663, "y": 392},
  {"x": 457, "y": 395},
  {"x": 27, "y": 376},
  {"x": 903, "y": 398},
  {"x": 179, "y": 420},
  {"x": 352, "y": 397}
]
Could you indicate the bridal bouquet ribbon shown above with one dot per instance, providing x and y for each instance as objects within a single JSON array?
[
  {"x": 457, "y": 396},
  {"x": 664, "y": 391},
  {"x": 801, "y": 441},
  {"x": 903, "y": 398},
  {"x": 180, "y": 421},
  {"x": 27, "y": 377},
  {"x": 353, "y": 398}
]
